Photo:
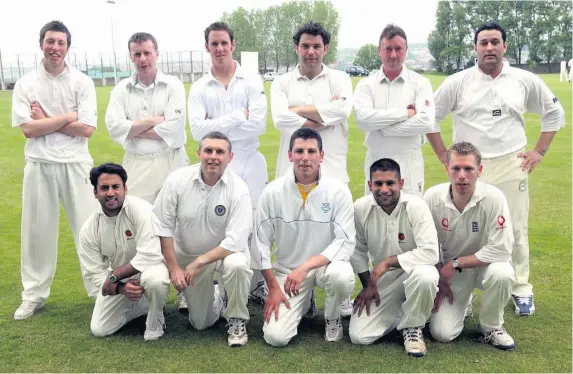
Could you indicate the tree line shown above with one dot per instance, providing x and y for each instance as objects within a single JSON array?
[
  {"x": 545, "y": 27},
  {"x": 269, "y": 31}
]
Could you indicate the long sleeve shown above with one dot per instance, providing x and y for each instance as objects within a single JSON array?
[
  {"x": 360, "y": 260},
  {"x": 94, "y": 266},
  {"x": 342, "y": 247},
  {"x": 423, "y": 121},
  {"x": 263, "y": 235},
  {"x": 240, "y": 224},
  {"x": 500, "y": 232},
  {"x": 87, "y": 104},
  {"x": 283, "y": 117},
  {"x": 445, "y": 99},
  {"x": 147, "y": 243},
  {"x": 370, "y": 119},
  {"x": 165, "y": 210},
  {"x": 336, "y": 111},
  {"x": 425, "y": 235},
  {"x": 542, "y": 101},
  {"x": 116, "y": 120},
  {"x": 173, "y": 128},
  {"x": 256, "y": 124}
]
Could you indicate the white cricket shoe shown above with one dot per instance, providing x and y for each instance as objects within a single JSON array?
[
  {"x": 414, "y": 341},
  {"x": 499, "y": 338},
  {"x": 346, "y": 307},
  {"x": 27, "y": 309},
  {"x": 237, "y": 332},
  {"x": 333, "y": 330},
  {"x": 156, "y": 330},
  {"x": 182, "y": 303}
]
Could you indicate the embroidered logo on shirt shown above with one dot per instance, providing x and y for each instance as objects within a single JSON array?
[
  {"x": 325, "y": 207},
  {"x": 427, "y": 102},
  {"x": 475, "y": 227},
  {"x": 500, "y": 222},
  {"x": 496, "y": 112},
  {"x": 128, "y": 234},
  {"x": 401, "y": 237},
  {"x": 220, "y": 210},
  {"x": 555, "y": 100},
  {"x": 523, "y": 185},
  {"x": 445, "y": 224},
  {"x": 177, "y": 111}
]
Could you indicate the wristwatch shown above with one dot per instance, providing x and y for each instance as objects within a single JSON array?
[
  {"x": 456, "y": 264},
  {"x": 113, "y": 278}
]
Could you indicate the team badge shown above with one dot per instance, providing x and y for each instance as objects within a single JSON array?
[
  {"x": 177, "y": 111},
  {"x": 445, "y": 224},
  {"x": 496, "y": 112},
  {"x": 500, "y": 222},
  {"x": 555, "y": 100},
  {"x": 475, "y": 227},
  {"x": 325, "y": 207},
  {"x": 401, "y": 237},
  {"x": 523, "y": 185},
  {"x": 128, "y": 233},
  {"x": 220, "y": 210},
  {"x": 427, "y": 102}
]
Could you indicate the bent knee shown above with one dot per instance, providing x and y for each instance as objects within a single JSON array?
[
  {"x": 443, "y": 334},
  {"x": 425, "y": 275},
  {"x": 276, "y": 338},
  {"x": 234, "y": 263},
  {"x": 501, "y": 272},
  {"x": 100, "y": 331},
  {"x": 359, "y": 338}
]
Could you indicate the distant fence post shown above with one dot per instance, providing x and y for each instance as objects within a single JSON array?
[{"x": 2, "y": 84}]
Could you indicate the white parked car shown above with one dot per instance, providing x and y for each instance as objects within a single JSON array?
[{"x": 270, "y": 76}]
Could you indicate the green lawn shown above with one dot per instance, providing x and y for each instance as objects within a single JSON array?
[{"x": 58, "y": 339}]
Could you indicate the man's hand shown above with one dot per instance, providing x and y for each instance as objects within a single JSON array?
[
  {"x": 108, "y": 288},
  {"x": 37, "y": 112},
  {"x": 274, "y": 300},
  {"x": 365, "y": 297},
  {"x": 447, "y": 273},
  {"x": 132, "y": 289},
  {"x": 294, "y": 280},
  {"x": 444, "y": 290},
  {"x": 157, "y": 120},
  {"x": 411, "y": 110},
  {"x": 192, "y": 270},
  {"x": 378, "y": 271},
  {"x": 530, "y": 159},
  {"x": 178, "y": 278},
  {"x": 313, "y": 125}
]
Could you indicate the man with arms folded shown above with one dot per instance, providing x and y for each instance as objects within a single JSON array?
[
  {"x": 203, "y": 216},
  {"x": 488, "y": 102},
  {"x": 395, "y": 107},
  {"x": 397, "y": 232},
  {"x": 119, "y": 236},
  {"x": 55, "y": 108},
  {"x": 146, "y": 116},
  {"x": 317, "y": 97},
  {"x": 309, "y": 218},
  {"x": 474, "y": 231},
  {"x": 233, "y": 101}
]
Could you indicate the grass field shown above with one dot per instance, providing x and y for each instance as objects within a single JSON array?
[{"x": 59, "y": 340}]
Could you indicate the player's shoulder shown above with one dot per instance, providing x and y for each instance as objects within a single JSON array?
[
  {"x": 367, "y": 81},
  {"x": 417, "y": 77},
  {"x": 87, "y": 230},
  {"x": 201, "y": 83},
  {"x": 171, "y": 80},
  {"x": 491, "y": 194},
  {"x": 413, "y": 201},
  {"x": 436, "y": 193},
  {"x": 363, "y": 203},
  {"x": 184, "y": 174},
  {"x": 80, "y": 76},
  {"x": 277, "y": 185},
  {"x": 137, "y": 204}
]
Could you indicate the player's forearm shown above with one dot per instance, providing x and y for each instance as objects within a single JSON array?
[
  {"x": 544, "y": 141},
  {"x": 308, "y": 112},
  {"x": 125, "y": 271},
  {"x": 270, "y": 279},
  {"x": 168, "y": 251},
  {"x": 45, "y": 126},
  {"x": 213, "y": 255},
  {"x": 314, "y": 262},
  {"x": 77, "y": 129},
  {"x": 141, "y": 125},
  {"x": 437, "y": 144},
  {"x": 471, "y": 261},
  {"x": 149, "y": 134}
]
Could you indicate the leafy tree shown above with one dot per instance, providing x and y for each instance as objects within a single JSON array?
[{"x": 367, "y": 57}]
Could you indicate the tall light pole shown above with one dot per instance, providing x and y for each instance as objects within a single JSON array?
[{"x": 113, "y": 44}]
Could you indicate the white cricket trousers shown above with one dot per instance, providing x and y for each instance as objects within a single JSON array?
[
  {"x": 563, "y": 76},
  {"x": 411, "y": 169},
  {"x": 405, "y": 297},
  {"x": 112, "y": 312},
  {"x": 234, "y": 277},
  {"x": 43, "y": 187},
  {"x": 337, "y": 280},
  {"x": 505, "y": 173},
  {"x": 495, "y": 282},
  {"x": 251, "y": 167},
  {"x": 146, "y": 174}
]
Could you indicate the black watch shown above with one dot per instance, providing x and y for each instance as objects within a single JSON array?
[
  {"x": 113, "y": 278},
  {"x": 456, "y": 264}
]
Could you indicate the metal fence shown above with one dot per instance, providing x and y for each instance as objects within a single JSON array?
[{"x": 187, "y": 65}]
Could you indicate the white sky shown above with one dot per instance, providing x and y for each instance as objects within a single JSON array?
[{"x": 178, "y": 25}]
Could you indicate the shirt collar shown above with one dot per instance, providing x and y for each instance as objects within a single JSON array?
[
  {"x": 43, "y": 70},
  {"x": 239, "y": 73},
  {"x": 298, "y": 75},
  {"x": 505, "y": 70},
  {"x": 292, "y": 178},
  {"x": 479, "y": 194},
  {"x": 403, "y": 75},
  {"x": 160, "y": 77},
  {"x": 197, "y": 176}
]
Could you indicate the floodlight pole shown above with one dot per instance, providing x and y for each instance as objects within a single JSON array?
[{"x": 113, "y": 44}]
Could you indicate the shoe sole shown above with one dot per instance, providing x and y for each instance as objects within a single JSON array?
[
  {"x": 237, "y": 344},
  {"x": 416, "y": 354},
  {"x": 505, "y": 347}
]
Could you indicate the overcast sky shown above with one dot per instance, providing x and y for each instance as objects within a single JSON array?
[{"x": 178, "y": 25}]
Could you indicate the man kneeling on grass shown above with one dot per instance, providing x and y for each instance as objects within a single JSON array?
[{"x": 119, "y": 236}]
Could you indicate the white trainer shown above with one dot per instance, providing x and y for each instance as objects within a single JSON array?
[
  {"x": 333, "y": 330},
  {"x": 237, "y": 332},
  {"x": 156, "y": 330},
  {"x": 27, "y": 309},
  {"x": 346, "y": 307},
  {"x": 182, "y": 303},
  {"x": 260, "y": 294},
  {"x": 499, "y": 338},
  {"x": 414, "y": 341}
]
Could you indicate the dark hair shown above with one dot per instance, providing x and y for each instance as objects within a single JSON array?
[
  {"x": 490, "y": 25},
  {"x": 305, "y": 134},
  {"x": 107, "y": 168},
  {"x": 463, "y": 149},
  {"x": 216, "y": 135},
  {"x": 218, "y": 26},
  {"x": 140, "y": 37},
  {"x": 385, "y": 164},
  {"x": 57, "y": 26},
  {"x": 391, "y": 31},
  {"x": 314, "y": 29}
]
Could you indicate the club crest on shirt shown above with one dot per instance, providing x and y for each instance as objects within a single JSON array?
[
  {"x": 220, "y": 210},
  {"x": 401, "y": 237},
  {"x": 325, "y": 207},
  {"x": 177, "y": 111},
  {"x": 445, "y": 224},
  {"x": 523, "y": 185},
  {"x": 475, "y": 227},
  {"x": 128, "y": 234},
  {"x": 500, "y": 222}
]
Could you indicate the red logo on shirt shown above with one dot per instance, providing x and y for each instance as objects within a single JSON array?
[
  {"x": 427, "y": 102},
  {"x": 401, "y": 237},
  {"x": 445, "y": 224},
  {"x": 128, "y": 233},
  {"x": 500, "y": 222}
]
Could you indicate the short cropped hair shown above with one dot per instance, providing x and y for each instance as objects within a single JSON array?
[
  {"x": 218, "y": 26},
  {"x": 216, "y": 135},
  {"x": 490, "y": 25},
  {"x": 140, "y": 37},
  {"x": 385, "y": 164},
  {"x": 57, "y": 26},
  {"x": 391, "y": 31},
  {"x": 305, "y": 133},
  {"x": 314, "y": 29},
  {"x": 464, "y": 149},
  {"x": 107, "y": 168}
]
